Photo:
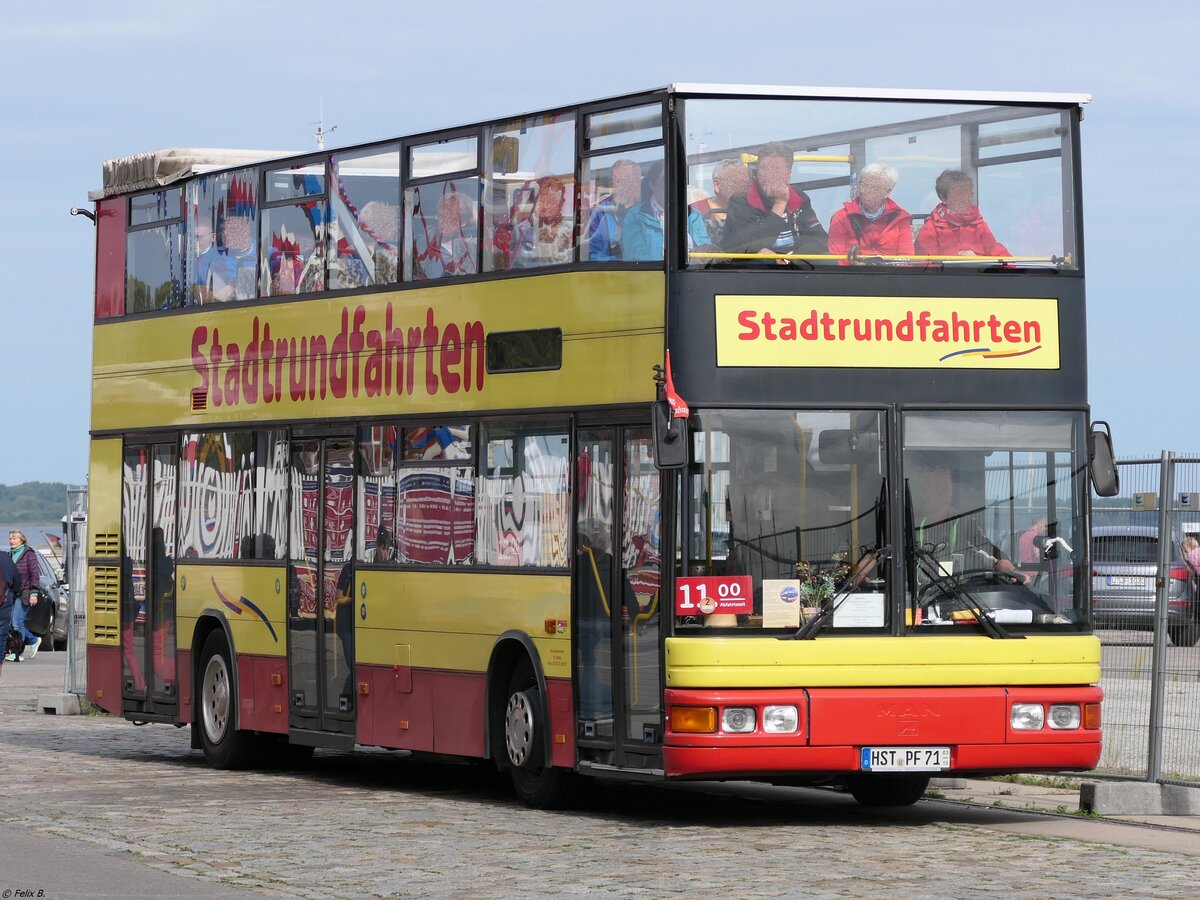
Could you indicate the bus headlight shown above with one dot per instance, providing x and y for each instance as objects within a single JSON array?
[
  {"x": 1028, "y": 716},
  {"x": 1064, "y": 716},
  {"x": 737, "y": 719},
  {"x": 780, "y": 719}
]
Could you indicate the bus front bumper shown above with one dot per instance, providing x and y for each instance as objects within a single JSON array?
[{"x": 984, "y": 730}]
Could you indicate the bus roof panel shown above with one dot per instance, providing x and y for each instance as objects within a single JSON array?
[{"x": 857, "y": 93}]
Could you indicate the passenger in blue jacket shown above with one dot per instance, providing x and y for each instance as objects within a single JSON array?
[{"x": 644, "y": 222}]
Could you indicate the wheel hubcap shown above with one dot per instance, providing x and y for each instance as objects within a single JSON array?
[
  {"x": 518, "y": 728},
  {"x": 214, "y": 699}
]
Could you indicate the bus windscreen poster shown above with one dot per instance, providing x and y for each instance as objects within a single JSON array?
[
  {"x": 708, "y": 595},
  {"x": 887, "y": 332}
]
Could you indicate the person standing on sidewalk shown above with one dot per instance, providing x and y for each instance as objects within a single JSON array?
[
  {"x": 8, "y": 580},
  {"x": 25, "y": 558}
]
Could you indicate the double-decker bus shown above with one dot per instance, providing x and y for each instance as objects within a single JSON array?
[{"x": 701, "y": 433}]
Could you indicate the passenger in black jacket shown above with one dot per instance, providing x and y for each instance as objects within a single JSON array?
[{"x": 774, "y": 218}]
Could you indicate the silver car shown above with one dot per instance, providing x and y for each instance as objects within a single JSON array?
[
  {"x": 51, "y": 584},
  {"x": 1124, "y": 572}
]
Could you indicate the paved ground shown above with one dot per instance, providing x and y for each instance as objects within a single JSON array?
[{"x": 98, "y": 807}]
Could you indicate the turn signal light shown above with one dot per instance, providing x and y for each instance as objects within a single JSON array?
[
  {"x": 1091, "y": 716},
  {"x": 694, "y": 719}
]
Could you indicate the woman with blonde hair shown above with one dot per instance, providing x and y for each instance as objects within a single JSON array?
[{"x": 25, "y": 559}]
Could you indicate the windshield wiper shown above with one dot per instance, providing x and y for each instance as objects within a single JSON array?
[{"x": 862, "y": 569}]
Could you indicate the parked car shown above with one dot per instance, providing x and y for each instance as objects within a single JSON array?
[
  {"x": 1124, "y": 572},
  {"x": 51, "y": 584}
]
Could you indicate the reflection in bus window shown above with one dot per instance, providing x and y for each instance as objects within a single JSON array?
[
  {"x": 442, "y": 224},
  {"x": 222, "y": 236},
  {"x": 377, "y": 494},
  {"x": 216, "y": 496},
  {"x": 529, "y": 215},
  {"x": 524, "y": 504},
  {"x": 364, "y": 236},
  {"x": 294, "y": 235},
  {"x": 154, "y": 268}
]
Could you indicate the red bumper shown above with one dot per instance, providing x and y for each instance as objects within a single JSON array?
[{"x": 836, "y": 723}]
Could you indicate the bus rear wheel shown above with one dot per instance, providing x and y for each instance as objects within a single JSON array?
[
  {"x": 887, "y": 790},
  {"x": 224, "y": 746},
  {"x": 535, "y": 783}
]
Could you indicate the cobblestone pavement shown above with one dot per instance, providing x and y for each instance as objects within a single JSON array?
[{"x": 371, "y": 824}]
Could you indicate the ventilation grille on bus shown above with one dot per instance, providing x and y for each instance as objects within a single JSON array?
[
  {"x": 106, "y": 545},
  {"x": 199, "y": 399},
  {"x": 105, "y": 595}
]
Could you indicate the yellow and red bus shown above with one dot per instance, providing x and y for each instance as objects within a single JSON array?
[{"x": 383, "y": 451}]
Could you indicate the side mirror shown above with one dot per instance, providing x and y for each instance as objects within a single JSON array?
[
  {"x": 1106, "y": 481},
  {"x": 670, "y": 437}
]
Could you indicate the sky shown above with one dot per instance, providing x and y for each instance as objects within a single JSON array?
[{"x": 91, "y": 81}]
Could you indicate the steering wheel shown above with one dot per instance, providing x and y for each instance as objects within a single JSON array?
[{"x": 926, "y": 596}]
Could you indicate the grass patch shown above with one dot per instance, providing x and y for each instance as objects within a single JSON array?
[{"x": 1058, "y": 782}]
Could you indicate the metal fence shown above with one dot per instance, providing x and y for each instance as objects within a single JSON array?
[
  {"x": 1146, "y": 598},
  {"x": 75, "y": 548}
]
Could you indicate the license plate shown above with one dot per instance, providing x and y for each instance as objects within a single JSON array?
[
  {"x": 1127, "y": 581},
  {"x": 905, "y": 759}
]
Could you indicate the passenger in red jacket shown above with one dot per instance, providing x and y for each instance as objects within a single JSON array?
[
  {"x": 955, "y": 227},
  {"x": 872, "y": 222}
]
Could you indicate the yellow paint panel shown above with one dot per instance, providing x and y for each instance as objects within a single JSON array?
[
  {"x": 104, "y": 491},
  {"x": 882, "y": 661},
  {"x": 888, "y": 332},
  {"x": 397, "y": 353},
  {"x": 248, "y": 590},
  {"x": 451, "y": 620}
]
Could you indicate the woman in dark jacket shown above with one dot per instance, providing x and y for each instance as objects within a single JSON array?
[{"x": 25, "y": 558}]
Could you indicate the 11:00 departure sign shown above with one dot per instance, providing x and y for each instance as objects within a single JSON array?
[{"x": 703, "y": 596}]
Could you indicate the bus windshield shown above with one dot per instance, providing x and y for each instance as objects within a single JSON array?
[
  {"x": 922, "y": 186},
  {"x": 994, "y": 517},
  {"x": 790, "y": 514}
]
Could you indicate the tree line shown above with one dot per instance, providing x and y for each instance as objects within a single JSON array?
[{"x": 34, "y": 502}]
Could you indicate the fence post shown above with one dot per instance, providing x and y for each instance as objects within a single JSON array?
[{"x": 1158, "y": 664}]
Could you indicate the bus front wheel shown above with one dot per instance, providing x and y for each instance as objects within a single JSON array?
[
  {"x": 535, "y": 783},
  {"x": 887, "y": 790},
  {"x": 224, "y": 746}
]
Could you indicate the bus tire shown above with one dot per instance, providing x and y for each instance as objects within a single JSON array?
[
  {"x": 224, "y": 746},
  {"x": 887, "y": 790},
  {"x": 535, "y": 783}
]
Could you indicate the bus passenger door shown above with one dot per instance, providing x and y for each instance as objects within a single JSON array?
[
  {"x": 617, "y": 607},
  {"x": 321, "y": 599},
  {"x": 149, "y": 675}
]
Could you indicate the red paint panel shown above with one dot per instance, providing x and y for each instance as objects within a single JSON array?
[
  {"x": 562, "y": 722},
  {"x": 459, "y": 701},
  {"x": 185, "y": 686},
  {"x": 268, "y": 694},
  {"x": 104, "y": 677},
  {"x": 247, "y": 711},
  {"x": 390, "y": 709},
  {"x": 258, "y": 695},
  {"x": 908, "y": 716},
  {"x": 730, "y": 761},
  {"x": 110, "y": 257},
  {"x": 1027, "y": 757}
]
